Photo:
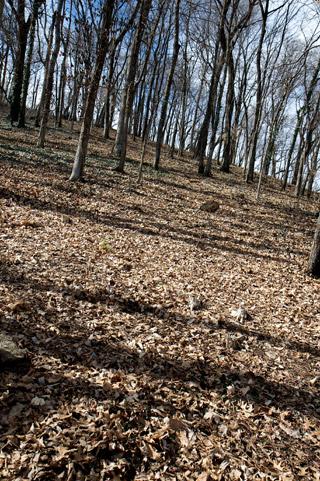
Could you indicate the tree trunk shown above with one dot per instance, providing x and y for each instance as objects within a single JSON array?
[
  {"x": 170, "y": 120},
  {"x": 174, "y": 133},
  {"x": 258, "y": 110},
  {"x": 227, "y": 148},
  {"x": 23, "y": 30},
  {"x": 138, "y": 111},
  {"x": 1, "y": 9},
  {"x": 50, "y": 78},
  {"x": 182, "y": 127},
  {"x": 308, "y": 144},
  {"x": 215, "y": 124},
  {"x": 46, "y": 71},
  {"x": 164, "y": 107},
  {"x": 107, "y": 124},
  {"x": 79, "y": 161},
  {"x": 35, "y": 93},
  {"x": 202, "y": 140},
  {"x": 27, "y": 68},
  {"x": 301, "y": 162},
  {"x": 196, "y": 110},
  {"x": 120, "y": 146},
  {"x": 4, "y": 73},
  {"x": 156, "y": 81},
  {"x": 314, "y": 259},
  {"x": 313, "y": 170},
  {"x": 63, "y": 73}
]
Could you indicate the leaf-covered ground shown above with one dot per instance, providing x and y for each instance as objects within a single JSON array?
[{"x": 125, "y": 381}]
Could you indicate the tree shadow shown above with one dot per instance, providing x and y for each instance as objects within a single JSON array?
[
  {"x": 11, "y": 275},
  {"x": 293, "y": 345},
  {"x": 77, "y": 349},
  {"x": 154, "y": 229},
  {"x": 60, "y": 394},
  {"x": 74, "y": 350}
]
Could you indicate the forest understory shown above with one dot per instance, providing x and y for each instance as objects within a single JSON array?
[{"x": 125, "y": 381}]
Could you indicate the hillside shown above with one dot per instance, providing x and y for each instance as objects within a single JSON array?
[{"x": 126, "y": 382}]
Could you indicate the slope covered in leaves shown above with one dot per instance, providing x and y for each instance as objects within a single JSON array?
[{"x": 125, "y": 381}]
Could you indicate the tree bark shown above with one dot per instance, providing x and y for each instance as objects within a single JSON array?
[
  {"x": 308, "y": 144},
  {"x": 214, "y": 127},
  {"x": 27, "y": 69},
  {"x": 46, "y": 71},
  {"x": 196, "y": 110},
  {"x": 258, "y": 110},
  {"x": 292, "y": 146},
  {"x": 79, "y": 161},
  {"x": 202, "y": 140},
  {"x": 227, "y": 148},
  {"x": 164, "y": 107},
  {"x": 155, "y": 83},
  {"x": 23, "y": 30},
  {"x": 120, "y": 146},
  {"x": 63, "y": 73},
  {"x": 314, "y": 258},
  {"x": 313, "y": 170},
  {"x": 50, "y": 76},
  {"x": 185, "y": 83},
  {"x": 1, "y": 9},
  {"x": 107, "y": 123}
]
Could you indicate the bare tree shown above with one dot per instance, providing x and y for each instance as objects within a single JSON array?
[
  {"x": 27, "y": 68},
  {"x": 1, "y": 9},
  {"x": 23, "y": 30},
  {"x": 264, "y": 9},
  {"x": 49, "y": 78},
  {"x": 128, "y": 92},
  {"x": 79, "y": 161},
  {"x": 164, "y": 106},
  {"x": 314, "y": 258}
]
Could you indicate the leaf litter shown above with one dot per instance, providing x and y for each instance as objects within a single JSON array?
[{"x": 166, "y": 342}]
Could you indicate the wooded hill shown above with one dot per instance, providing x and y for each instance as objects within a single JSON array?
[
  {"x": 234, "y": 82},
  {"x": 130, "y": 377},
  {"x": 159, "y": 301}
]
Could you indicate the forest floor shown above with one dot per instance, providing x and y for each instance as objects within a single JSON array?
[{"x": 125, "y": 382}]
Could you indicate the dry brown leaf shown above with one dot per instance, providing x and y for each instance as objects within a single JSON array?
[
  {"x": 127, "y": 376},
  {"x": 203, "y": 477},
  {"x": 19, "y": 306},
  {"x": 183, "y": 438},
  {"x": 177, "y": 424}
]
